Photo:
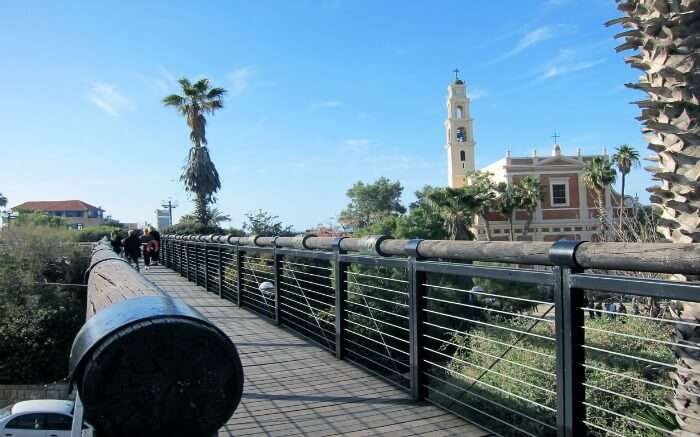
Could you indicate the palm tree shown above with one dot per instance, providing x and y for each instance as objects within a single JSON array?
[
  {"x": 664, "y": 33},
  {"x": 598, "y": 175},
  {"x": 456, "y": 206},
  {"x": 530, "y": 194},
  {"x": 217, "y": 217},
  {"x": 484, "y": 188},
  {"x": 625, "y": 158},
  {"x": 508, "y": 201},
  {"x": 199, "y": 174}
]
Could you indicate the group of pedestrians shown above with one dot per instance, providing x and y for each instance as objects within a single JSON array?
[{"x": 135, "y": 244}]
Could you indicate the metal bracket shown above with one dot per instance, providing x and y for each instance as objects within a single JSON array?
[
  {"x": 411, "y": 248},
  {"x": 563, "y": 253},
  {"x": 374, "y": 242},
  {"x": 336, "y": 244}
]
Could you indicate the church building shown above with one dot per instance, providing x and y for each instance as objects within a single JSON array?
[{"x": 568, "y": 208}]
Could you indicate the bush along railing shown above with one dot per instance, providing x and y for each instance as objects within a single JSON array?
[{"x": 586, "y": 345}]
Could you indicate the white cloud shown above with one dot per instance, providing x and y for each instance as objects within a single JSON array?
[
  {"x": 328, "y": 104},
  {"x": 566, "y": 62},
  {"x": 106, "y": 97},
  {"x": 531, "y": 38},
  {"x": 240, "y": 80},
  {"x": 476, "y": 93}
]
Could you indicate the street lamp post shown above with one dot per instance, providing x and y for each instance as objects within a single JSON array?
[{"x": 170, "y": 204}]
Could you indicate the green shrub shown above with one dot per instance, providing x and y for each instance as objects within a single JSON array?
[
  {"x": 38, "y": 320},
  {"x": 93, "y": 234},
  {"x": 527, "y": 373}
]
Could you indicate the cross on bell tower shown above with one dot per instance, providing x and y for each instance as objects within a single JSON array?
[{"x": 460, "y": 137}]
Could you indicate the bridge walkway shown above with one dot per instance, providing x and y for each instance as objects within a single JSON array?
[{"x": 293, "y": 387}]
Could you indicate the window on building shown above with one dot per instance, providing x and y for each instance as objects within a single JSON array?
[
  {"x": 559, "y": 191},
  {"x": 462, "y": 155},
  {"x": 459, "y": 112},
  {"x": 461, "y": 135}
]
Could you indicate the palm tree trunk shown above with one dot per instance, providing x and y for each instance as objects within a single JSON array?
[
  {"x": 200, "y": 209},
  {"x": 487, "y": 225},
  {"x": 528, "y": 223},
  {"x": 672, "y": 85},
  {"x": 621, "y": 214},
  {"x": 510, "y": 223}
]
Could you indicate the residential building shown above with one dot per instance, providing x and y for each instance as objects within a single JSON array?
[{"x": 76, "y": 213}]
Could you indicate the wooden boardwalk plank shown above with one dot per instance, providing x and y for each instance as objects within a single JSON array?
[{"x": 294, "y": 387}]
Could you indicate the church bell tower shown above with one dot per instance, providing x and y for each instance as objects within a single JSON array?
[{"x": 460, "y": 136}]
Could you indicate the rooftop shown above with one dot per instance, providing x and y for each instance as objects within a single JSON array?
[{"x": 55, "y": 205}]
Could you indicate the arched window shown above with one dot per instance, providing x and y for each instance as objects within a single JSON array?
[
  {"x": 462, "y": 155},
  {"x": 461, "y": 135},
  {"x": 459, "y": 112}
]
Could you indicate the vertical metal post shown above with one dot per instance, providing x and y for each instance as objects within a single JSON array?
[
  {"x": 416, "y": 291},
  {"x": 570, "y": 336},
  {"x": 187, "y": 260},
  {"x": 239, "y": 281},
  {"x": 277, "y": 271},
  {"x": 219, "y": 270},
  {"x": 340, "y": 272},
  {"x": 206, "y": 266}
]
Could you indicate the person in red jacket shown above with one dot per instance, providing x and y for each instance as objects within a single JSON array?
[{"x": 151, "y": 246}]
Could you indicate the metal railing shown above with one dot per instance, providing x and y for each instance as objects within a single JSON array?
[{"x": 581, "y": 346}]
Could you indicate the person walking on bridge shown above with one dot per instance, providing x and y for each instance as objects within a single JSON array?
[
  {"x": 132, "y": 248},
  {"x": 116, "y": 241},
  {"x": 150, "y": 247}
]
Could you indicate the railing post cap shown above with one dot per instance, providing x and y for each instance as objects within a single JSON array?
[
  {"x": 411, "y": 248},
  {"x": 563, "y": 253}
]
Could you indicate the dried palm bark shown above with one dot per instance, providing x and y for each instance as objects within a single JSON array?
[{"x": 666, "y": 37}]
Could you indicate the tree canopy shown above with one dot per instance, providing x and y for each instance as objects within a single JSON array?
[{"x": 370, "y": 203}]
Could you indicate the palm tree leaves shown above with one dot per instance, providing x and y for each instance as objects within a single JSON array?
[
  {"x": 625, "y": 158},
  {"x": 599, "y": 174},
  {"x": 456, "y": 206},
  {"x": 197, "y": 99}
]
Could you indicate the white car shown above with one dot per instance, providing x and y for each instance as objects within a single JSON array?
[{"x": 39, "y": 418}]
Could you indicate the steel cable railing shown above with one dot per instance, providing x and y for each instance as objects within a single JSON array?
[{"x": 518, "y": 351}]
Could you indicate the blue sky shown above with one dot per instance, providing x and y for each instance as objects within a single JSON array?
[{"x": 321, "y": 94}]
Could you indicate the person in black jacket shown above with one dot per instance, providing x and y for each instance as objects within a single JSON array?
[
  {"x": 156, "y": 254},
  {"x": 132, "y": 248},
  {"x": 116, "y": 242}
]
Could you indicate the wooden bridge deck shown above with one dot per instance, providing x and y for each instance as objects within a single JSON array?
[{"x": 293, "y": 387}]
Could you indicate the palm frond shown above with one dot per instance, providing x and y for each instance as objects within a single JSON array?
[
  {"x": 201, "y": 86},
  {"x": 216, "y": 93},
  {"x": 185, "y": 83},
  {"x": 200, "y": 175},
  {"x": 173, "y": 100}
]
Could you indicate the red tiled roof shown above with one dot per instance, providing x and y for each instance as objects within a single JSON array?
[{"x": 55, "y": 205}]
